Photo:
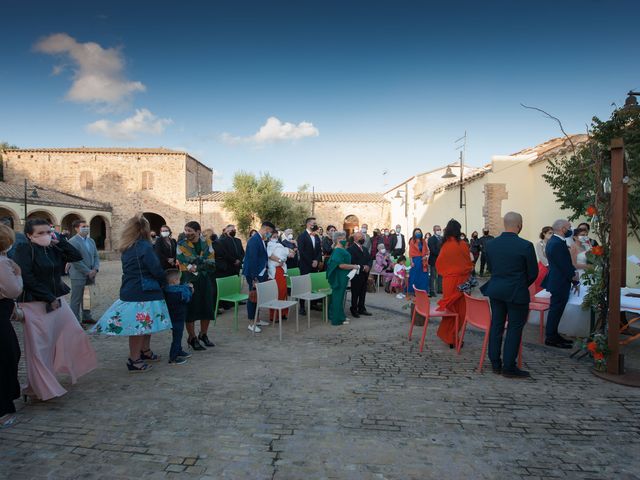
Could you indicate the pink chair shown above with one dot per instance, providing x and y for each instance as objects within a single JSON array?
[
  {"x": 423, "y": 307},
  {"x": 540, "y": 305},
  {"x": 479, "y": 315}
]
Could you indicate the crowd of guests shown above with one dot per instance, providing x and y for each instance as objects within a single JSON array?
[{"x": 170, "y": 283}]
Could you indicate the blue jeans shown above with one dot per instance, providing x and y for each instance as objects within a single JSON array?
[
  {"x": 177, "y": 328},
  {"x": 251, "y": 307}
]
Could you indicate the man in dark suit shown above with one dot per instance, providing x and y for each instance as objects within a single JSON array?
[
  {"x": 359, "y": 256},
  {"x": 229, "y": 253},
  {"x": 562, "y": 274},
  {"x": 397, "y": 242},
  {"x": 310, "y": 255},
  {"x": 513, "y": 265},
  {"x": 254, "y": 267},
  {"x": 435, "y": 244},
  {"x": 484, "y": 241}
]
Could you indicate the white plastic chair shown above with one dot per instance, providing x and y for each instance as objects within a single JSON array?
[
  {"x": 301, "y": 290},
  {"x": 268, "y": 298},
  {"x": 377, "y": 279}
]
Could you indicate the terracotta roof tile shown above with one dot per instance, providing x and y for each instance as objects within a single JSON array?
[
  {"x": 554, "y": 146},
  {"x": 337, "y": 197},
  {"x": 160, "y": 150},
  {"x": 13, "y": 192}
]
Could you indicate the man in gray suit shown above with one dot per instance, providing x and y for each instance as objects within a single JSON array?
[{"x": 83, "y": 272}]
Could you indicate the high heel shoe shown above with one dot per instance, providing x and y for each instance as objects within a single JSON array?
[
  {"x": 138, "y": 366},
  {"x": 205, "y": 339},
  {"x": 195, "y": 344}
]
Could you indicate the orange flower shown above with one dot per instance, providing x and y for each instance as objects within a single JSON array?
[
  {"x": 592, "y": 347},
  {"x": 598, "y": 250},
  {"x": 598, "y": 356},
  {"x": 591, "y": 211}
]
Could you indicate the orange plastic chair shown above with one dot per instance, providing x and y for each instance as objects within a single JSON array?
[
  {"x": 423, "y": 307},
  {"x": 479, "y": 315},
  {"x": 538, "y": 305}
]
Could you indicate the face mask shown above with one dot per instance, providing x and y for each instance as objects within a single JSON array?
[
  {"x": 397, "y": 230},
  {"x": 474, "y": 236},
  {"x": 267, "y": 235},
  {"x": 314, "y": 228},
  {"x": 232, "y": 233},
  {"x": 165, "y": 234},
  {"x": 384, "y": 250},
  {"x": 485, "y": 232},
  {"x": 361, "y": 241},
  {"x": 363, "y": 230},
  {"x": 290, "y": 236},
  {"x": 583, "y": 238},
  {"x": 386, "y": 234},
  {"x": 568, "y": 233},
  {"x": 43, "y": 241},
  {"x": 273, "y": 239},
  {"x": 84, "y": 231},
  {"x": 419, "y": 235},
  {"x": 438, "y": 232},
  {"x": 343, "y": 243}
]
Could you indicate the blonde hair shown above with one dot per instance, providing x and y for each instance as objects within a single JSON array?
[
  {"x": 136, "y": 228},
  {"x": 7, "y": 237}
]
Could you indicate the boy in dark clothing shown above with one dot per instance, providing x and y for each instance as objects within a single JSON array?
[{"x": 177, "y": 297}]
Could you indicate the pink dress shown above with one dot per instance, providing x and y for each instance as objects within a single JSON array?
[{"x": 54, "y": 343}]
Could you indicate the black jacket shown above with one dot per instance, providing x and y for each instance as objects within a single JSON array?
[
  {"x": 228, "y": 249},
  {"x": 327, "y": 246},
  {"x": 308, "y": 252},
  {"x": 435, "y": 244},
  {"x": 359, "y": 256},
  {"x": 513, "y": 265},
  {"x": 402, "y": 247},
  {"x": 42, "y": 268},
  {"x": 164, "y": 252}
]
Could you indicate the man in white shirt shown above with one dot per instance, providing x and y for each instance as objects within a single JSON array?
[{"x": 398, "y": 245}]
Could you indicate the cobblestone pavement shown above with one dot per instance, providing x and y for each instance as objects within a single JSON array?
[{"x": 351, "y": 402}]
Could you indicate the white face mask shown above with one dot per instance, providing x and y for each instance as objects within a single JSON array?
[
  {"x": 583, "y": 239},
  {"x": 273, "y": 239},
  {"x": 165, "y": 234},
  {"x": 384, "y": 250},
  {"x": 84, "y": 231},
  {"x": 363, "y": 230},
  {"x": 438, "y": 232},
  {"x": 398, "y": 230},
  {"x": 290, "y": 236}
]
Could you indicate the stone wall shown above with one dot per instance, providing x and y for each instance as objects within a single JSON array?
[
  {"x": 494, "y": 194},
  {"x": 131, "y": 182}
]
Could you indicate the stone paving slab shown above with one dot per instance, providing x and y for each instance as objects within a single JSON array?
[{"x": 353, "y": 402}]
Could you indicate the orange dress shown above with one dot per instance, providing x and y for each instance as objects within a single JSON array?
[{"x": 455, "y": 265}]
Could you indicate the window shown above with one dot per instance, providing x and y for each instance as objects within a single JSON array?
[
  {"x": 147, "y": 180},
  {"x": 86, "y": 180}
]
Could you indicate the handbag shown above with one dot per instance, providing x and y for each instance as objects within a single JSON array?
[{"x": 148, "y": 284}]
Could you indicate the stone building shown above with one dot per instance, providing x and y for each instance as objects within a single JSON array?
[
  {"x": 169, "y": 187},
  {"x": 343, "y": 210},
  {"x": 156, "y": 181},
  {"x": 59, "y": 209}
]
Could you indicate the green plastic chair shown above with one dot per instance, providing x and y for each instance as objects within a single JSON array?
[
  {"x": 320, "y": 284},
  {"x": 292, "y": 272},
  {"x": 229, "y": 291}
]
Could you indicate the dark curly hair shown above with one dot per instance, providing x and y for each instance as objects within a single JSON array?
[{"x": 452, "y": 230}]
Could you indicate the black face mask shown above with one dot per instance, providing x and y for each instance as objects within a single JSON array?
[
  {"x": 314, "y": 228},
  {"x": 361, "y": 241},
  {"x": 232, "y": 233}
]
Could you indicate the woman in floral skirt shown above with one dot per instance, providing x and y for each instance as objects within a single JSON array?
[{"x": 141, "y": 309}]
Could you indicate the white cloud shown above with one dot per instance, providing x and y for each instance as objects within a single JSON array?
[
  {"x": 142, "y": 122},
  {"x": 276, "y": 131},
  {"x": 98, "y": 75}
]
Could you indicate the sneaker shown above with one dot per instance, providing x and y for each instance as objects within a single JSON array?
[
  {"x": 7, "y": 420},
  {"x": 400, "y": 296},
  {"x": 184, "y": 354},
  {"x": 178, "y": 361},
  {"x": 346, "y": 322},
  {"x": 262, "y": 323},
  {"x": 255, "y": 329}
]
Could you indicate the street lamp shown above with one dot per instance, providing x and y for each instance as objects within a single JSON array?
[
  {"x": 449, "y": 174},
  {"x": 399, "y": 196}
]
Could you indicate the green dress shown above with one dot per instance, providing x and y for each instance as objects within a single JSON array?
[{"x": 338, "y": 281}]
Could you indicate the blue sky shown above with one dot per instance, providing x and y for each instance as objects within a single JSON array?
[{"x": 353, "y": 88}]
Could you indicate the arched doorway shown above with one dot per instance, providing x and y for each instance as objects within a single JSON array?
[
  {"x": 11, "y": 215},
  {"x": 350, "y": 223},
  {"x": 42, "y": 214},
  {"x": 67, "y": 222},
  {"x": 156, "y": 221},
  {"x": 100, "y": 231}
]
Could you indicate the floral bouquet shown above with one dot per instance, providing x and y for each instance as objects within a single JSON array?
[{"x": 598, "y": 347}]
